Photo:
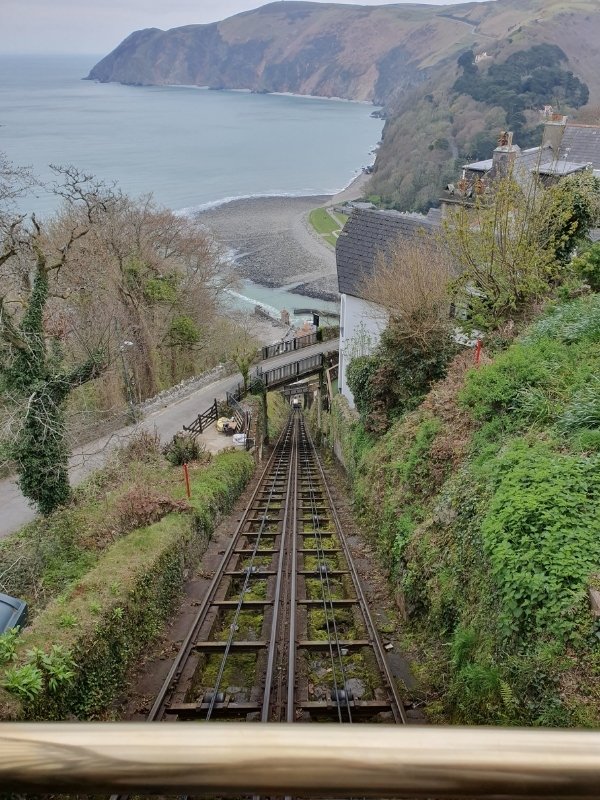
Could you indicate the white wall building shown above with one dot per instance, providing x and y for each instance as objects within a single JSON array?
[{"x": 367, "y": 234}]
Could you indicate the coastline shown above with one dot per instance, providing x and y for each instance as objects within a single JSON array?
[{"x": 272, "y": 242}]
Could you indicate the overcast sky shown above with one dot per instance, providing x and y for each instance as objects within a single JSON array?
[{"x": 97, "y": 26}]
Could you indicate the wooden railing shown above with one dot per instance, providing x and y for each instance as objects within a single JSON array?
[
  {"x": 298, "y": 760},
  {"x": 241, "y": 415}
]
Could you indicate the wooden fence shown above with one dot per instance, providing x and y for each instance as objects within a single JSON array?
[
  {"x": 241, "y": 415},
  {"x": 203, "y": 420}
]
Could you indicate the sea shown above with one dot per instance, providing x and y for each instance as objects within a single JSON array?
[{"x": 190, "y": 147}]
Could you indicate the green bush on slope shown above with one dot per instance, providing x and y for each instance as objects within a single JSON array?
[
  {"x": 103, "y": 621},
  {"x": 492, "y": 533}
]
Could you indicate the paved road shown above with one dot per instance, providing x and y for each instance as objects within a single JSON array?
[{"x": 15, "y": 510}]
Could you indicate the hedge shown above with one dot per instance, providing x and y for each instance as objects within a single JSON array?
[{"x": 105, "y": 620}]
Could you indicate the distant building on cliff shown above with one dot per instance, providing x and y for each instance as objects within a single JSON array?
[{"x": 566, "y": 149}]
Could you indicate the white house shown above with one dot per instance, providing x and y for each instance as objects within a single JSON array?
[{"x": 367, "y": 234}]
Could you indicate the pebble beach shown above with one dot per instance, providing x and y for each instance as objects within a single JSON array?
[{"x": 273, "y": 243}]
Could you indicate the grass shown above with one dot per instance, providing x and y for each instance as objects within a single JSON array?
[
  {"x": 322, "y": 221},
  {"x": 483, "y": 504},
  {"x": 46, "y": 556},
  {"x": 106, "y": 617},
  {"x": 327, "y": 225}
]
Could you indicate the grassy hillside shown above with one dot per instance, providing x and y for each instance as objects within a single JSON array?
[
  {"x": 455, "y": 126},
  {"x": 484, "y": 503}
]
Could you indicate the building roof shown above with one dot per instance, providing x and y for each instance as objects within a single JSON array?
[
  {"x": 581, "y": 144},
  {"x": 366, "y": 235},
  {"x": 594, "y": 235},
  {"x": 526, "y": 160},
  {"x": 479, "y": 166},
  {"x": 560, "y": 167}
]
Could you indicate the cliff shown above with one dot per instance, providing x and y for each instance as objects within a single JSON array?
[
  {"x": 403, "y": 57},
  {"x": 358, "y": 53}
]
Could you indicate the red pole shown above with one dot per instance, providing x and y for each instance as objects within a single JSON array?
[
  {"x": 478, "y": 347},
  {"x": 186, "y": 474}
]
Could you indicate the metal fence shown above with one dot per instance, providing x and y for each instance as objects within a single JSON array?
[
  {"x": 304, "y": 366},
  {"x": 289, "y": 345}
]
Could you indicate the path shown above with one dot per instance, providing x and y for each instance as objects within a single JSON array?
[{"x": 166, "y": 421}]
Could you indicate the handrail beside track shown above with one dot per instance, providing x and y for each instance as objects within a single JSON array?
[{"x": 299, "y": 760}]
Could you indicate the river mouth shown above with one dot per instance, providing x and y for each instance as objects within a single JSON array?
[{"x": 249, "y": 295}]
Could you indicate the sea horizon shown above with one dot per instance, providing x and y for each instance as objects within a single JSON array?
[{"x": 191, "y": 148}]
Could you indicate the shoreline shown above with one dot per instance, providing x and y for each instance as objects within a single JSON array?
[
  {"x": 272, "y": 242},
  {"x": 348, "y": 192}
]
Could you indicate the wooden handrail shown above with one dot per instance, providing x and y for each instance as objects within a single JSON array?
[{"x": 298, "y": 760}]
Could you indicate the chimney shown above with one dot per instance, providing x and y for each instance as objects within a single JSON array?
[
  {"x": 504, "y": 156},
  {"x": 554, "y": 128}
]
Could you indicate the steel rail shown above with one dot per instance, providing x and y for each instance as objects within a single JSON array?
[
  {"x": 273, "y": 640},
  {"x": 293, "y": 598},
  {"x": 397, "y": 705},
  {"x": 326, "y": 595},
  {"x": 282, "y": 455},
  {"x": 185, "y": 649}
]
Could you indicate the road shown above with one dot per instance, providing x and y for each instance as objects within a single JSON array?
[{"x": 167, "y": 421}]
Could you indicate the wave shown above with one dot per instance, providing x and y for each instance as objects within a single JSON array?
[
  {"x": 257, "y": 196},
  {"x": 271, "y": 310},
  {"x": 208, "y": 206}
]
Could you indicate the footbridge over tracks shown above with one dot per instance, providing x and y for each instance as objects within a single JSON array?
[{"x": 287, "y": 373}]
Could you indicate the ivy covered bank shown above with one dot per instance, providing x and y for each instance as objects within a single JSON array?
[{"x": 484, "y": 505}]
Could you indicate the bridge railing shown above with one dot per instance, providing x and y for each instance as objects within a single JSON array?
[
  {"x": 276, "y": 760},
  {"x": 289, "y": 345},
  {"x": 303, "y": 366}
]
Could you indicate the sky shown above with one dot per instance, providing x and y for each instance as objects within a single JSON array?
[{"x": 97, "y": 26}]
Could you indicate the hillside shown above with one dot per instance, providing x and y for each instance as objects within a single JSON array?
[
  {"x": 484, "y": 505},
  {"x": 403, "y": 57},
  {"x": 354, "y": 52}
]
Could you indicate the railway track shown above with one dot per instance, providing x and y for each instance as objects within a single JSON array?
[{"x": 284, "y": 632}]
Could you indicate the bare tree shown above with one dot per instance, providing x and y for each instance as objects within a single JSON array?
[{"x": 410, "y": 281}]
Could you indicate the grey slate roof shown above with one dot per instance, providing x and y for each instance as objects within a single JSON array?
[
  {"x": 581, "y": 144},
  {"x": 560, "y": 167},
  {"x": 479, "y": 166},
  {"x": 525, "y": 160},
  {"x": 368, "y": 233}
]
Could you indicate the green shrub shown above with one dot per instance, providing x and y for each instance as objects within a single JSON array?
[
  {"x": 475, "y": 693},
  {"x": 359, "y": 375},
  {"x": 583, "y": 412},
  {"x": 183, "y": 448},
  {"x": 135, "y": 584},
  {"x": 587, "y": 441},
  {"x": 8, "y": 646},
  {"x": 542, "y": 536},
  {"x": 587, "y": 266},
  {"x": 577, "y": 321},
  {"x": 496, "y": 387}
]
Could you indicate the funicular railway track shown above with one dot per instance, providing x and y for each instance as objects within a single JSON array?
[{"x": 284, "y": 632}]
